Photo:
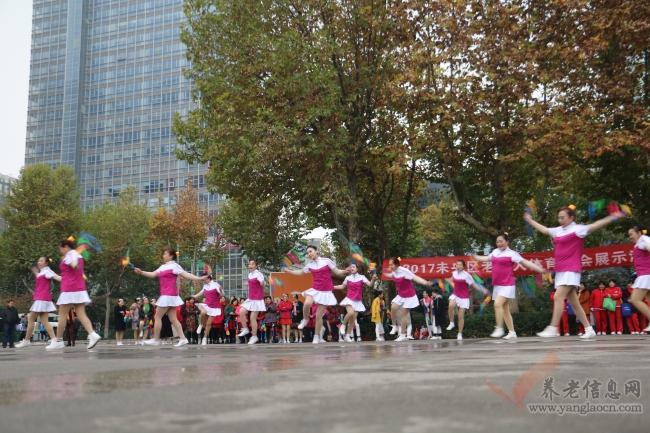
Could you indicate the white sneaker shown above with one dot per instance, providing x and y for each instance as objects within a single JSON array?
[
  {"x": 647, "y": 329},
  {"x": 22, "y": 344},
  {"x": 302, "y": 324},
  {"x": 244, "y": 332},
  {"x": 580, "y": 334},
  {"x": 253, "y": 340},
  {"x": 348, "y": 339},
  {"x": 198, "y": 330},
  {"x": 204, "y": 342},
  {"x": 152, "y": 342},
  {"x": 380, "y": 339},
  {"x": 300, "y": 340},
  {"x": 459, "y": 336},
  {"x": 433, "y": 337},
  {"x": 402, "y": 337},
  {"x": 549, "y": 332},
  {"x": 315, "y": 340},
  {"x": 181, "y": 343},
  {"x": 119, "y": 343},
  {"x": 589, "y": 333},
  {"x": 511, "y": 336},
  {"x": 451, "y": 326},
  {"x": 410, "y": 337},
  {"x": 55, "y": 344},
  {"x": 93, "y": 339},
  {"x": 393, "y": 330},
  {"x": 498, "y": 333},
  {"x": 619, "y": 333}
]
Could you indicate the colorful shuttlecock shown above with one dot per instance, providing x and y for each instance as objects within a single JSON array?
[
  {"x": 293, "y": 257},
  {"x": 275, "y": 282},
  {"x": 532, "y": 284},
  {"x": 526, "y": 288},
  {"x": 287, "y": 263},
  {"x": 485, "y": 303},
  {"x": 373, "y": 267},
  {"x": 626, "y": 210},
  {"x": 478, "y": 279}
]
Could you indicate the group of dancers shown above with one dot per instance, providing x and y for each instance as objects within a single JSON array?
[{"x": 568, "y": 240}]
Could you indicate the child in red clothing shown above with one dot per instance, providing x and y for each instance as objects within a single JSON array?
[
  {"x": 615, "y": 317},
  {"x": 564, "y": 321},
  {"x": 597, "y": 298}
]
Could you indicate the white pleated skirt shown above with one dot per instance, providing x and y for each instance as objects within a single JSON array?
[
  {"x": 642, "y": 282},
  {"x": 254, "y": 305},
  {"x": 69, "y": 298},
  {"x": 212, "y": 312},
  {"x": 567, "y": 279},
  {"x": 411, "y": 302},
  {"x": 509, "y": 292},
  {"x": 461, "y": 302},
  {"x": 321, "y": 298},
  {"x": 169, "y": 301},
  {"x": 43, "y": 307},
  {"x": 356, "y": 305}
]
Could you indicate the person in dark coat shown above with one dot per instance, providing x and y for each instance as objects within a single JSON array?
[{"x": 10, "y": 319}]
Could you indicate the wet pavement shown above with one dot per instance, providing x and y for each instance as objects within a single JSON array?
[{"x": 416, "y": 386}]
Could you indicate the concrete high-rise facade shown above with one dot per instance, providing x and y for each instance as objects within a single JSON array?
[{"x": 106, "y": 81}]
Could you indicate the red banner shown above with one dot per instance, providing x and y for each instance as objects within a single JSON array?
[{"x": 433, "y": 268}]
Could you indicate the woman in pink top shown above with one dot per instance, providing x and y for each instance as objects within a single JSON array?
[
  {"x": 321, "y": 294},
  {"x": 503, "y": 280},
  {"x": 168, "y": 274},
  {"x": 42, "y": 300},
  {"x": 642, "y": 266},
  {"x": 406, "y": 296},
  {"x": 462, "y": 281},
  {"x": 211, "y": 308},
  {"x": 254, "y": 303},
  {"x": 569, "y": 241},
  {"x": 352, "y": 302},
  {"x": 73, "y": 294}
]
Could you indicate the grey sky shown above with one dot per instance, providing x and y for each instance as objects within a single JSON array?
[{"x": 15, "y": 42}]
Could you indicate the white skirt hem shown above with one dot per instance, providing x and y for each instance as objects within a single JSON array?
[
  {"x": 253, "y": 305},
  {"x": 169, "y": 301},
  {"x": 356, "y": 305},
  {"x": 567, "y": 278},
  {"x": 321, "y": 298},
  {"x": 212, "y": 312},
  {"x": 642, "y": 282},
  {"x": 73, "y": 298},
  {"x": 461, "y": 302},
  {"x": 411, "y": 302},
  {"x": 509, "y": 292},
  {"x": 43, "y": 307}
]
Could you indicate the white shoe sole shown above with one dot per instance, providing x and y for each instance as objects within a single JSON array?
[{"x": 181, "y": 343}]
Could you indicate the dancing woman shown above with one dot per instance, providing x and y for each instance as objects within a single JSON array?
[
  {"x": 569, "y": 241},
  {"x": 254, "y": 303},
  {"x": 42, "y": 305},
  {"x": 503, "y": 279},
  {"x": 406, "y": 296},
  {"x": 212, "y": 292},
  {"x": 352, "y": 302},
  {"x": 321, "y": 294},
  {"x": 168, "y": 301},
  {"x": 642, "y": 266},
  {"x": 462, "y": 282}
]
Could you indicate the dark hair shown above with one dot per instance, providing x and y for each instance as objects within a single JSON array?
[
  {"x": 463, "y": 262},
  {"x": 234, "y": 300},
  {"x": 355, "y": 264},
  {"x": 377, "y": 294},
  {"x": 395, "y": 260},
  {"x": 205, "y": 274},
  {"x": 504, "y": 236},
  {"x": 187, "y": 299},
  {"x": 312, "y": 247},
  {"x": 47, "y": 259},
  {"x": 67, "y": 243},
  {"x": 10, "y": 301},
  {"x": 171, "y": 252},
  {"x": 570, "y": 212},
  {"x": 254, "y": 261},
  {"x": 136, "y": 299},
  {"x": 630, "y": 281},
  {"x": 611, "y": 280},
  {"x": 637, "y": 229},
  {"x": 601, "y": 282},
  {"x": 435, "y": 290}
]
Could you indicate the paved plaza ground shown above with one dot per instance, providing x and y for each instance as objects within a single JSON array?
[{"x": 417, "y": 386}]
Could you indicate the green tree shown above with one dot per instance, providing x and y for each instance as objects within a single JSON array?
[
  {"x": 42, "y": 209},
  {"x": 119, "y": 227}
]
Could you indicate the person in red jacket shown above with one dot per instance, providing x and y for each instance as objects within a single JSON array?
[
  {"x": 615, "y": 317},
  {"x": 564, "y": 320},
  {"x": 285, "y": 307},
  {"x": 597, "y": 298}
]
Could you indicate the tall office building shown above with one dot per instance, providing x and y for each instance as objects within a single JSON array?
[
  {"x": 5, "y": 185},
  {"x": 106, "y": 81}
]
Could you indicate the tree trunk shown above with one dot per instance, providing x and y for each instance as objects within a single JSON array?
[{"x": 108, "y": 311}]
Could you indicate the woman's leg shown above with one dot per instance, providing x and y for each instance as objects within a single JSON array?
[
  {"x": 63, "y": 320},
  {"x": 30, "y": 325},
  {"x": 207, "y": 328},
  {"x": 348, "y": 320},
  {"x": 171, "y": 313},
  {"x": 572, "y": 295},
  {"x": 242, "y": 317},
  {"x": 461, "y": 320},
  {"x": 405, "y": 320},
  {"x": 452, "y": 309},
  {"x": 498, "y": 310},
  {"x": 319, "y": 317},
  {"x": 352, "y": 323},
  {"x": 80, "y": 309},
  {"x": 393, "y": 314},
  {"x": 637, "y": 300},
  {"x": 507, "y": 317}
]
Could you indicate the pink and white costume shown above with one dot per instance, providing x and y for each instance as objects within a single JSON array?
[
  {"x": 462, "y": 282},
  {"x": 503, "y": 276},
  {"x": 569, "y": 243},
  {"x": 212, "y": 304},
  {"x": 321, "y": 270},
  {"x": 355, "y": 283},
  {"x": 73, "y": 286},
  {"x": 406, "y": 296},
  {"x": 255, "y": 301},
  {"x": 642, "y": 263},
  {"x": 42, "y": 295},
  {"x": 168, "y": 275}
]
